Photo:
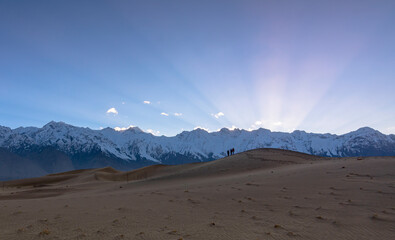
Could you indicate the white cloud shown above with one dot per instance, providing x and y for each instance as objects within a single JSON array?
[
  {"x": 146, "y": 102},
  {"x": 218, "y": 115},
  {"x": 233, "y": 128},
  {"x": 277, "y": 123},
  {"x": 389, "y": 130},
  {"x": 258, "y": 123},
  {"x": 123, "y": 128},
  {"x": 153, "y": 132},
  {"x": 177, "y": 114},
  {"x": 113, "y": 111},
  {"x": 272, "y": 125},
  {"x": 164, "y": 114},
  {"x": 123, "y": 103}
]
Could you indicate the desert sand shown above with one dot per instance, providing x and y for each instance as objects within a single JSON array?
[{"x": 258, "y": 194}]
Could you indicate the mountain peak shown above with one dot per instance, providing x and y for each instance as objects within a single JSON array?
[
  {"x": 135, "y": 130},
  {"x": 4, "y": 130},
  {"x": 53, "y": 124},
  {"x": 224, "y": 130},
  {"x": 365, "y": 130},
  {"x": 128, "y": 129},
  {"x": 298, "y": 132},
  {"x": 132, "y": 147},
  {"x": 199, "y": 130}
]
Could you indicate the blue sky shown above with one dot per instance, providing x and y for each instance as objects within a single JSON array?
[{"x": 168, "y": 66}]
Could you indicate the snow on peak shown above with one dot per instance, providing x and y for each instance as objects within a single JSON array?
[
  {"x": 366, "y": 130},
  {"x": 200, "y": 129},
  {"x": 132, "y": 143},
  {"x": 131, "y": 127}
]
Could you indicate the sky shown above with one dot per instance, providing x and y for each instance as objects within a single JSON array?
[{"x": 170, "y": 66}]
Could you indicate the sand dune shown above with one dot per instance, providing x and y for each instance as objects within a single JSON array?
[{"x": 258, "y": 194}]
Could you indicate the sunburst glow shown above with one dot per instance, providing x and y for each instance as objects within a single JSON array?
[{"x": 239, "y": 64}]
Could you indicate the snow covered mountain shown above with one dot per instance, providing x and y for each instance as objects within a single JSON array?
[{"x": 59, "y": 147}]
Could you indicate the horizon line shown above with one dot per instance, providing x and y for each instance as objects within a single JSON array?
[{"x": 148, "y": 131}]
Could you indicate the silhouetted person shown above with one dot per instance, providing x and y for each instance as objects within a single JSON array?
[
  {"x": 232, "y": 151},
  {"x": 228, "y": 152}
]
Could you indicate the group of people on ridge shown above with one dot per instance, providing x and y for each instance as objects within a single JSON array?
[{"x": 231, "y": 151}]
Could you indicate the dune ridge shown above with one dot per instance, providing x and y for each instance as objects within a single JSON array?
[{"x": 258, "y": 194}]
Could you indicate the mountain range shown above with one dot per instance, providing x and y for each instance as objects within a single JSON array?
[{"x": 57, "y": 146}]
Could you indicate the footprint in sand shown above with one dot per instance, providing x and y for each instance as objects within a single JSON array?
[
  {"x": 140, "y": 233},
  {"x": 278, "y": 226},
  {"x": 44, "y": 232},
  {"x": 173, "y": 232},
  {"x": 17, "y": 213},
  {"x": 115, "y": 222},
  {"x": 377, "y": 217},
  {"x": 292, "y": 214},
  {"x": 100, "y": 232},
  {"x": 120, "y": 236},
  {"x": 252, "y": 184},
  {"x": 291, "y": 234},
  {"x": 256, "y": 218},
  {"x": 43, "y": 221}
]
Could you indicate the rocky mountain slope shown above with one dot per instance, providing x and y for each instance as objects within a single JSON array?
[{"x": 58, "y": 146}]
